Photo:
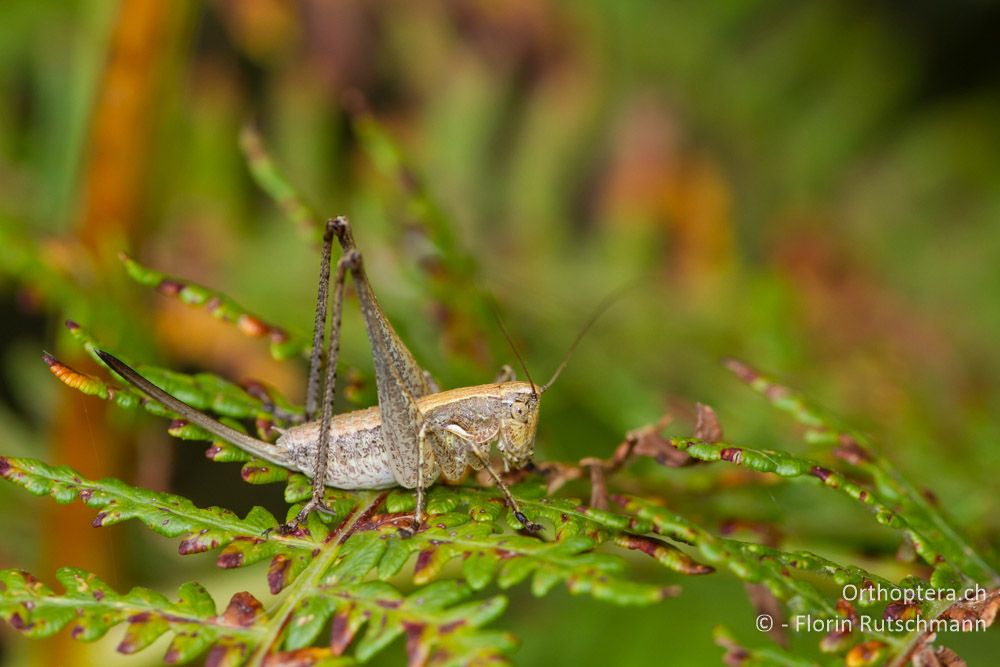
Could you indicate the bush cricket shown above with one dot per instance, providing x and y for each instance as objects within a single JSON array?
[{"x": 416, "y": 433}]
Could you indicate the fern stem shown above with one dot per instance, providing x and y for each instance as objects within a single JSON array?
[{"x": 307, "y": 582}]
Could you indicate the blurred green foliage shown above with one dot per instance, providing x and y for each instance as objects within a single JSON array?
[{"x": 810, "y": 186}]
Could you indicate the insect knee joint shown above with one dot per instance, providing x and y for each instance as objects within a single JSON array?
[
  {"x": 339, "y": 226},
  {"x": 351, "y": 259}
]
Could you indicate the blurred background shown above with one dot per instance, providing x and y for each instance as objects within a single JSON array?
[{"x": 813, "y": 187}]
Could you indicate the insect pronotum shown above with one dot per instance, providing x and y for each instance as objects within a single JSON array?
[{"x": 416, "y": 432}]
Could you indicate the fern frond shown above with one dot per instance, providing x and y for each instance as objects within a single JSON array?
[
  {"x": 218, "y": 305},
  {"x": 485, "y": 550},
  {"x": 204, "y": 391},
  {"x": 441, "y": 627},
  {"x": 201, "y": 529},
  {"x": 930, "y": 545},
  {"x": 90, "y": 607},
  {"x": 737, "y": 654},
  {"x": 854, "y": 448},
  {"x": 273, "y": 181}
]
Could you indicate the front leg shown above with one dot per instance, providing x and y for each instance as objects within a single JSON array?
[
  {"x": 530, "y": 526},
  {"x": 450, "y": 445}
]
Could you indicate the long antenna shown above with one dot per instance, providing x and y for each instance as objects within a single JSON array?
[
  {"x": 510, "y": 341},
  {"x": 602, "y": 308}
]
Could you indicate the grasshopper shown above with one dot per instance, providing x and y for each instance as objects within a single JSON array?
[{"x": 415, "y": 434}]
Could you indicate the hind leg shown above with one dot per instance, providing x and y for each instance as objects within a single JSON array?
[{"x": 346, "y": 263}]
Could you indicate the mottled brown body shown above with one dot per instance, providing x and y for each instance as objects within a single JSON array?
[
  {"x": 462, "y": 423},
  {"x": 457, "y": 427}
]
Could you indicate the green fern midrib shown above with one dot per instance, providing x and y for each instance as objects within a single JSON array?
[
  {"x": 564, "y": 561},
  {"x": 308, "y": 580}
]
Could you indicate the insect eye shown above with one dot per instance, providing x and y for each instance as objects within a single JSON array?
[{"x": 519, "y": 411}]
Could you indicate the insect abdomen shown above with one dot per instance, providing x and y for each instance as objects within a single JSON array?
[{"x": 357, "y": 459}]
